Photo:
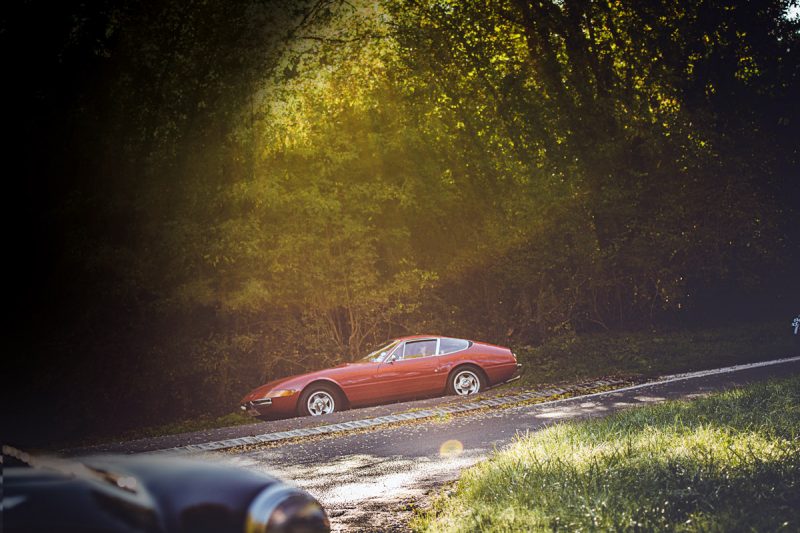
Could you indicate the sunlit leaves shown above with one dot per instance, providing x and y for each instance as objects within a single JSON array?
[{"x": 324, "y": 174}]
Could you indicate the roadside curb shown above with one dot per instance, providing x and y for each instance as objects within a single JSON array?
[
  {"x": 589, "y": 389},
  {"x": 343, "y": 427}
]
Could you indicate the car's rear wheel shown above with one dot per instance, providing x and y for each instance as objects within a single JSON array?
[
  {"x": 319, "y": 400},
  {"x": 466, "y": 380}
]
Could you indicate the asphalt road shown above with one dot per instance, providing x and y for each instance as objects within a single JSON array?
[{"x": 370, "y": 481}]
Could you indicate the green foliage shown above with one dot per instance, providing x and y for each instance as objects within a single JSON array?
[
  {"x": 722, "y": 463},
  {"x": 572, "y": 357},
  {"x": 614, "y": 174},
  {"x": 202, "y": 423},
  {"x": 242, "y": 190}
]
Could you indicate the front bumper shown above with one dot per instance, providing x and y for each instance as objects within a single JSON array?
[
  {"x": 272, "y": 406},
  {"x": 253, "y": 407},
  {"x": 517, "y": 374}
]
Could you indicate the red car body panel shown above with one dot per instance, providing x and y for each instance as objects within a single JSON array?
[{"x": 371, "y": 383}]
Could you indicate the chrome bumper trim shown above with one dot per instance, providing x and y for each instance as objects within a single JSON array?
[{"x": 263, "y": 402}]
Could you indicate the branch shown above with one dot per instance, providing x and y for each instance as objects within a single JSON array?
[{"x": 338, "y": 40}]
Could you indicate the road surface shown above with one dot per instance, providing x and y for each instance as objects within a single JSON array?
[{"x": 370, "y": 481}]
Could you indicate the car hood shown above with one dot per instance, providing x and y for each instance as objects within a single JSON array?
[
  {"x": 299, "y": 381},
  {"x": 127, "y": 494},
  {"x": 260, "y": 392}
]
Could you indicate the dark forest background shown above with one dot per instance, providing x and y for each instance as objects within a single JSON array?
[{"x": 203, "y": 195}]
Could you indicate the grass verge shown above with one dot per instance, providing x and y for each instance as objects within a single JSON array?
[
  {"x": 572, "y": 358},
  {"x": 728, "y": 462},
  {"x": 648, "y": 354},
  {"x": 200, "y": 423}
]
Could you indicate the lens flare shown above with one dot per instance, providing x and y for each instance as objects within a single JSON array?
[{"x": 451, "y": 448}]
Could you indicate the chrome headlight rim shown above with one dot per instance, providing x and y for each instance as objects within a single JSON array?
[{"x": 262, "y": 516}]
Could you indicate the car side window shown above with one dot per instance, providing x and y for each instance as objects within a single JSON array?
[
  {"x": 452, "y": 345},
  {"x": 396, "y": 354},
  {"x": 415, "y": 349}
]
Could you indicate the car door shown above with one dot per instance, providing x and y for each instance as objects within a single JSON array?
[{"x": 412, "y": 371}]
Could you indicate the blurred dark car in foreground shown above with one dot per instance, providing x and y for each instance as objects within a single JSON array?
[
  {"x": 402, "y": 369},
  {"x": 154, "y": 494}
]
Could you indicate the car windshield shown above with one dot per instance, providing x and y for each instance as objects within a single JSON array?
[{"x": 378, "y": 355}]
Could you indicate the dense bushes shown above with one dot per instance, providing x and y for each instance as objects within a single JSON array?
[{"x": 233, "y": 192}]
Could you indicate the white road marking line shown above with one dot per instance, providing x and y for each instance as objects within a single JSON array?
[{"x": 681, "y": 377}]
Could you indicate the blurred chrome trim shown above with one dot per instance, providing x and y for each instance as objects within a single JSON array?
[
  {"x": 262, "y": 507},
  {"x": 281, "y": 508}
]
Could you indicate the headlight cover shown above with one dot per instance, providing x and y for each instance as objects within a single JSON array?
[
  {"x": 280, "y": 393},
  {"x": 284, "y": 509}
]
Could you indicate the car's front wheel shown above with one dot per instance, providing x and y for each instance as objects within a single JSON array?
[
  {"x": 466, "y": 380},
  {"x": 319, "y": 400}
]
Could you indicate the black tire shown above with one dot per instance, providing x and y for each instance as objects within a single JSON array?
[
  {"x": 477, "y": 380},
  {"x": 321, "y": 391}
]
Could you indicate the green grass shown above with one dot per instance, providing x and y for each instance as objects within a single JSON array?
[
  {"x": 647, "y": 354},
  {"x": 200, "y": 423},
  {"x": 728, "y": 462},
  {"x": 236, "y": 418}
]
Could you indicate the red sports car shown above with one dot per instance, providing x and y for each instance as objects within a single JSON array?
[{"x": 403, "y": 369}]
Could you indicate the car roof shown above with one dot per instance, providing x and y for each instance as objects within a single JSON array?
[{"x": 414, "y": 337}]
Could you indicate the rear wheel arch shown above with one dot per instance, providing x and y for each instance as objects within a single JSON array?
[{"x": 471, "y": 366}]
